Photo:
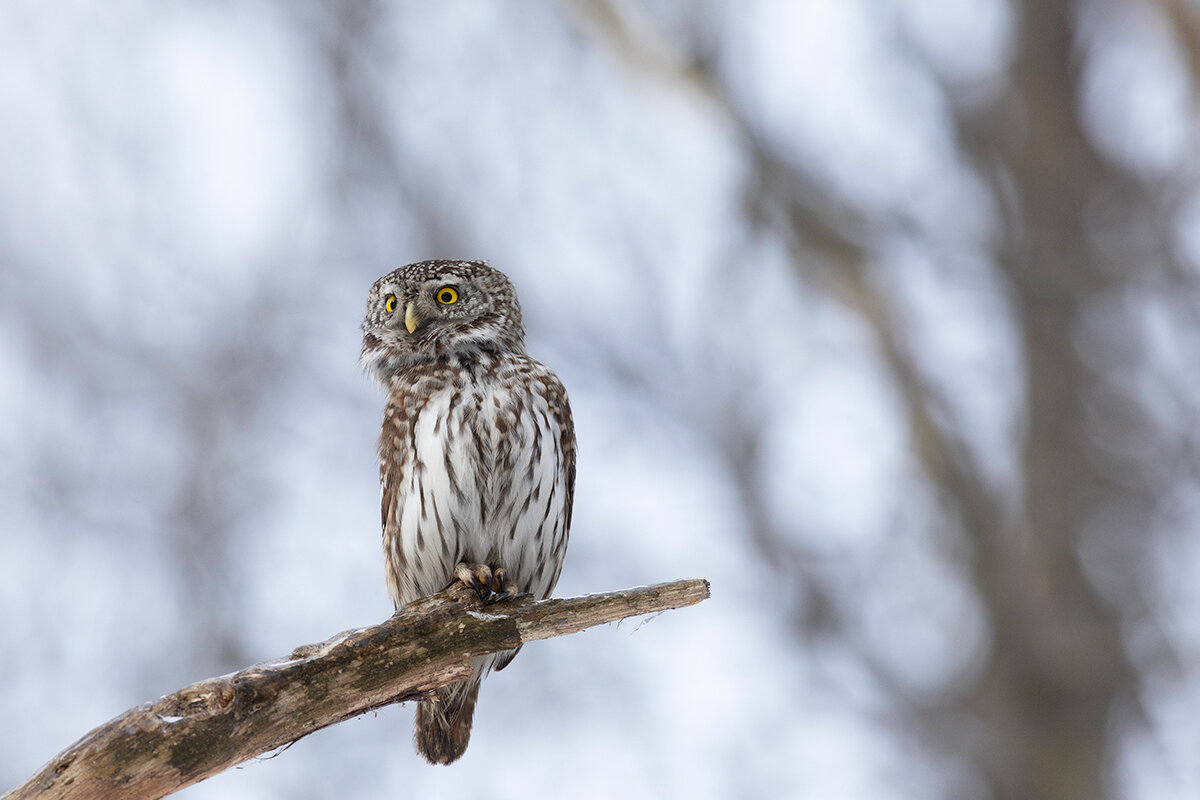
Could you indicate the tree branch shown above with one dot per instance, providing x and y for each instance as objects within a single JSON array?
[{"x": 160, "y": 747}]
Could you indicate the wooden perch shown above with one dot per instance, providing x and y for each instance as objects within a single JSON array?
[{"x": 185, "y": 737}]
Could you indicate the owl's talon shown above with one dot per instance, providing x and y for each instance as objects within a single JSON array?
[
  {"x": 499, "y": 586},
  {"x": 476, "y": 576}
]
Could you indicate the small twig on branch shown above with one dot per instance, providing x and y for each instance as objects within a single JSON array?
[{"x": 183, "y": 738}]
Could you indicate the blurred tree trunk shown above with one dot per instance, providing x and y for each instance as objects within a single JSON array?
[
  {"x": 1040, "y": 710},
  {"x": 1057, "y": 664}
]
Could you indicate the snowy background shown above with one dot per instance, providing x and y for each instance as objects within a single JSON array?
[{"x": 882, "y": 315}]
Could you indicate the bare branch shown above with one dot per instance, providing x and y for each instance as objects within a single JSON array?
[{"x": 185, "y": 737}]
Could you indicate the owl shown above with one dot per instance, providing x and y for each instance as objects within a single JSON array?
[{"x": 476, "y": 457}]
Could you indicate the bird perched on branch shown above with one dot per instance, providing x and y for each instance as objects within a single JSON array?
[{"x": 477, "y": 456}]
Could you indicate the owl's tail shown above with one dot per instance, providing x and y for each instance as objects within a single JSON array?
[{"x": 444, "y": 721}]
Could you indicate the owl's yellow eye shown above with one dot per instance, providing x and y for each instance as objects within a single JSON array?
[
  {"x": 389, "y": 303},
  {"x": 447, "y": 295}
]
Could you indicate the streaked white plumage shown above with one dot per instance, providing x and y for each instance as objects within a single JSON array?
[{"x": 473, "y": 494}]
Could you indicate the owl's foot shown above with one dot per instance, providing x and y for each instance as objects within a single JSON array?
[{"x": 490, "y": 584}]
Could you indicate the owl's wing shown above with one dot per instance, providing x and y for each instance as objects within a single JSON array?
[
  {"x": 568, "y": 447},
  {"x": 561, "y": 408}
]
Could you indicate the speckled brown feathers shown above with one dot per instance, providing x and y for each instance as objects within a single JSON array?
[{"x": 477, "y": 453}]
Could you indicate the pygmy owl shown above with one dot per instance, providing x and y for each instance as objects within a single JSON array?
[{"x": 477, "y": 456}]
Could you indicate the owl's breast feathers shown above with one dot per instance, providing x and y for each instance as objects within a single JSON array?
[{"x": 477, "y": 464}]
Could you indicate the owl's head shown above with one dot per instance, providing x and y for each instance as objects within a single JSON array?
[{"x": 436, "y": 310}]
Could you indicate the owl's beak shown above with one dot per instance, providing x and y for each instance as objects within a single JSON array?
[{"x": 410, "y": 317}]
